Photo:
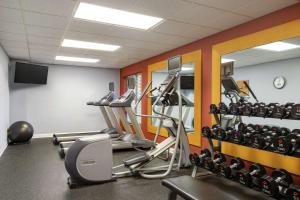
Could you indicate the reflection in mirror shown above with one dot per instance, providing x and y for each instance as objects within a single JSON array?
[
  {"x": 272, "y": 72},
  {"x": 187, "y": 90}
]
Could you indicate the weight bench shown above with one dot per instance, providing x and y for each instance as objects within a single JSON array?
[{"x": 209, "y": 187}]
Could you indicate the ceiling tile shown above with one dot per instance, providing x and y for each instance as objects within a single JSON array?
[
  {"x": 11, "y": 27},
  {"x": 10, "y": 15},
  {"x": 257, "y": 8},
  {"x": 253, "y": 8},
  {"x": 158, "y": 8},
  {"x": 12, "y": 36},
  {"x": 71, "y": 52},
  {"x": 60, "y": 62},
  {"x": 45, "y": 20},
  {"x": 116, "y": 4},
  {"x": 81, "y": 36},
  {"x": 221, "y": 4},
  {"x": 53, "y": 7},
  {"x": 43, "y": 40},
  {"x": 13, "y": 44},
  {"x": 17, "y": 53},
  {"x": 209, "y": 17},
  {"x": 90, "y": 27},
  {"x": 38, "y": 47},
  {"x": 41, "y": 60},
  {"x": 44, "y": 32},
  {"x": 10, "y": 3},
  {"x": 184, "y": 29},
  {"x": 48, "y": 54}
]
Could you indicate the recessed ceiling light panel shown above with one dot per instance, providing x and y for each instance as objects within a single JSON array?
[
  {"x": 113, "y": 16},
  {"x": 226, "y": 60},
  {"x": 278, "y": 46},
  {"x": 89, "y": 45},
  {"x": 77, "y": 59},
  {"x": 187, "y": 68}
]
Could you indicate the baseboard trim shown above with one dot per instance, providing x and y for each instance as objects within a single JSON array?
[
  {"x": 2, "y": 149},
  {"x": 43, "y": 135}
]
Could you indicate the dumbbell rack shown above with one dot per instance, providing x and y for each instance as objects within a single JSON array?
[{"x": 266, "y": 158}]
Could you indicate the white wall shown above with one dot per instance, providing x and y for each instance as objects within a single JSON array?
[
  {"x": 261, "y": 81},
  {"x": 4, "y": 99},
  {"x": 60, "y": 106}
]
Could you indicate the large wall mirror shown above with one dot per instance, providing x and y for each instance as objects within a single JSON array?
[
  {"x": 272, "y": 72},
  {"x": 268, "y": 61},
  {"x": 191, "y": 67}
]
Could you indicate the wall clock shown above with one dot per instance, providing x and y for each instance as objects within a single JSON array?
[{"x": 279, "y": 82}]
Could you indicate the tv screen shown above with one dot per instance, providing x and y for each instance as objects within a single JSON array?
[
  {"x": 29, "y": 73},
  {"x": 187, "y": 82}
]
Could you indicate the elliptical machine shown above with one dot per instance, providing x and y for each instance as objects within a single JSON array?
[{"x": 89, "y": 160}]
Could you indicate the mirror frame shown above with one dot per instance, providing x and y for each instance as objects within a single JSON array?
[
  {"x": 277, "y": 33},
  {"x": 195, "y": 57}
]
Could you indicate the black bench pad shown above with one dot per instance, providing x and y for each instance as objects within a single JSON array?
[{"x": 210, "y": 188}]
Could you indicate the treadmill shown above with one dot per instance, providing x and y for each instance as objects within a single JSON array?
[
  {"x": 72, "y": 136},
  {"x": 114, "y": 129},
  {"x": 127, "y": 139}
]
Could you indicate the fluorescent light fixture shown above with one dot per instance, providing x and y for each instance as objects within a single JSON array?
[
  {"x": 226, "y": 60},
  {"x": 278, "y": 46},
  {"x": 113, "y": 16},
  {"x": 76, "y": 59},
  {"x": 89, "y": 45},
  {"x": 187, "y": 68}
]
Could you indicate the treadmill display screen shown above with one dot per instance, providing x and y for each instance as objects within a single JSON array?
[
  {"x": 230, "y": 85},
  {"x": 174, "y": 64}
]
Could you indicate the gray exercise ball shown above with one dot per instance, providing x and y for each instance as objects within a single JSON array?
[{"x": 19, "y": 132}]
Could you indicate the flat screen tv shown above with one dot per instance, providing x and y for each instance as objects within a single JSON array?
[
  {"x": 187, "y": 82},
  {"x": 30, "y": 73}
]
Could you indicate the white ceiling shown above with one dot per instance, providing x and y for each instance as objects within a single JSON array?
[
  {"x": 33, "y": 30},
  {"x": 250, "y": 57}
]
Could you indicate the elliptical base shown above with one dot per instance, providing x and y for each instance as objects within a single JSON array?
[{"x": 72, "y": 183}]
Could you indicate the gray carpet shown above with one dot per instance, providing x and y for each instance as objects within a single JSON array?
[{"x": 35, "y": 172}]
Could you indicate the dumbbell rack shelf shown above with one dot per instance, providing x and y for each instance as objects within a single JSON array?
[
  {"x": 263, "y": 157},
  {"x": 267, "y": 117}
]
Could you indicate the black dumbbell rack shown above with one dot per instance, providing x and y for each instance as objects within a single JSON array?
[
  {"x": 258, "y": 155},
  {"x": 288, "y": 111}
]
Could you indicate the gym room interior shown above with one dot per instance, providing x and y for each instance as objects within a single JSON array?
[{"x": 149, "y": 99}]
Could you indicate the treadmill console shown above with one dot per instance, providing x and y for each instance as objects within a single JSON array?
[{"x": 125, "y": 100}]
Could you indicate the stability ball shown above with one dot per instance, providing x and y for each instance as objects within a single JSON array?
[{"x": 19, "y": 132}]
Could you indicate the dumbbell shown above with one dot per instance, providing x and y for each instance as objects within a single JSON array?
[
  {"x": 211, "y": 164},
  {"x": 214, "y": 109},
  {"x": 270, "y": 108},
  {"x": 282, "y": 111},
  {"x": 262, "y": 110},
  {"x": 250, "y": 178},
  {"x": 293, "y": 193},
  {"x": 258, "y": 139},
  {"x": 295, "y": 111},
  {"x": 223, "y": 108},
  {"x": 288, "y": 109},
  {"x": 198, "y": 159},
  {"x": 288, "y": 144},
  {"x": 210, "y": 132},
  {"x": 276, "y": 184},
  {"x": 234, "y": 108},
  {"x": 244, "y": 133},
  {"x": 246, "y": 109},
  {"x": 227, "y": 171},
  {"x": 256, "y": 107},
  {"x": 266, "y": 138},
  {"x": 221, "y": 134}
]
